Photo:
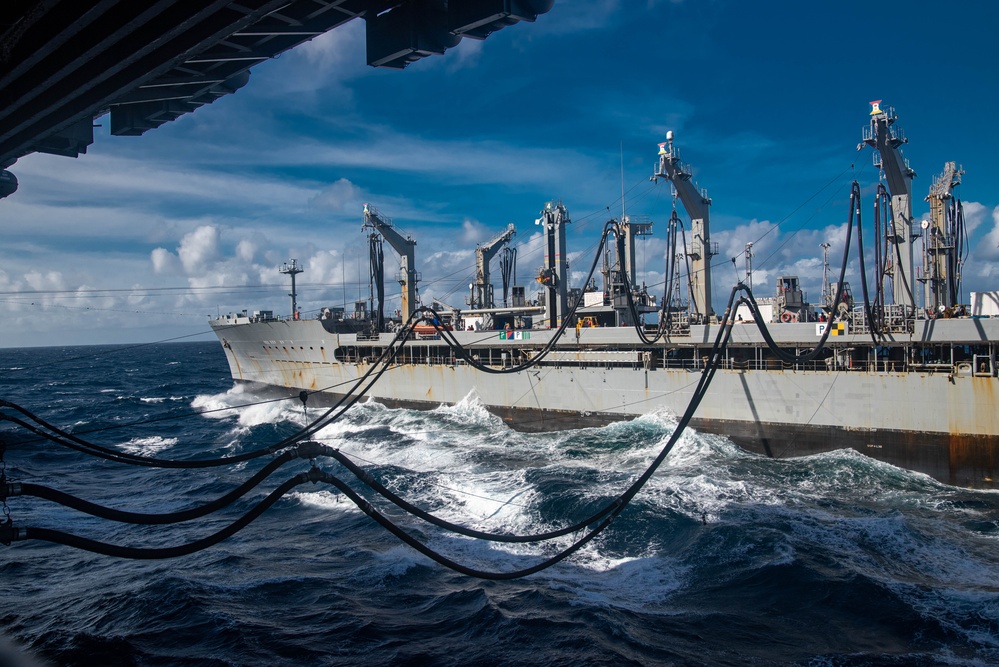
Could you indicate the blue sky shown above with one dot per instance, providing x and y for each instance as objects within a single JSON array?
[{"x": 143, "y": 238}]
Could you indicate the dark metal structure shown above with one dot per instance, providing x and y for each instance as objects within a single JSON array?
[
  {"x": 64, "y": 63},
  {"x": 887, "y": 138}
]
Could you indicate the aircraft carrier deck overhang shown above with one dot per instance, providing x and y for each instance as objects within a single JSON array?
[{"x": 64, "y": 63}]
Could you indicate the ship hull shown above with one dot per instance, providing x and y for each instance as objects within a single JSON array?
[{"x": 942, "y": 424}]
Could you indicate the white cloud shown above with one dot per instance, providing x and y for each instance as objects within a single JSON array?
[
  {"x": 473, "y": 232},
  {"x": 333, "y": 51},
  {"x": 986, "y": 253},
  {"x": 199, "y": 248},
  {"x": 246, "y": 250},
  {"x": 50, "y": 280},
  {"x": 164, "y": 262},
  {"x": 223, "y": 196},
  {"x": 341, "y": 196},
  {"x": 314, "y": 72},
  {"x": 466, "y": 54},
  {"x": 974, "y": 215}
]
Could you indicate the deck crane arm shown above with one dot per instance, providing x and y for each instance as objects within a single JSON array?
[
  {"x": 944, "y": 237},
  {"x": 481, "y": 296},
  {"x": 696, "y": 203},
  {"x": 887, "y": 138},
  {"x": 405, "y": 247}
]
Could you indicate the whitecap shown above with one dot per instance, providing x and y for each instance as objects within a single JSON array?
[
  {"x": 149, "y": 445},
  {"x": 469, "y": 411},
  {"x": 326, "y": 500},
  {"x": 248, "y": 409}
]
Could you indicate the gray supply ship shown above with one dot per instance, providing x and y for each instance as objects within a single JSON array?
[{"x": 912, "y": 385}]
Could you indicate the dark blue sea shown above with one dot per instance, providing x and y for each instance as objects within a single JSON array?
[{"x": 725, "y": 558}]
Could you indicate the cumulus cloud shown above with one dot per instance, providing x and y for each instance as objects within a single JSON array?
[
  {"x": 48, "y": 281},
  {"x": 981, "y": 272},
  {"x": 777, "y": 253},
  {"x": 246, "y": 250},
  {"x": 199, "y": 248},
  {"x": 164, "y": 262},
  {"x": 974, "y": 215},
  {"x": 341, "y": 196},
  {"x": 473, "y": 232},
  {"x": 987, "y": 250}
]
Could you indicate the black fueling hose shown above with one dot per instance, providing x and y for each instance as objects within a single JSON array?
[
  {"x": 312, "y": 450},
  {"x": 307, "y": 451},
  {"x": 67, "y": 439},
  {"x": 9, "y": 534},
  {"x": 467, "y": 357},
  {"x": 815, "y": 351}
]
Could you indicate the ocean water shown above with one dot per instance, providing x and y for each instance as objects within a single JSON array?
[{"x": 725, "y": 558}]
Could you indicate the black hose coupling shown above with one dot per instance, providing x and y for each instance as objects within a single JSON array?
[
  {"x": 315, "y": 475},
  {"x": 9, "y": 489},
  {"x": 8, "y": 533},
  {"x": 310, "y": 449}
]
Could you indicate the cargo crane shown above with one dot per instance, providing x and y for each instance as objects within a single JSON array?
[
  {"x": 944, "y": 242},
  {"x": 405, "y": 248},
  {"x": 482, "y": 290},
  {"x": 620, "y": 275},
  {"x": 696, "y": 203},
  {"x": 554, "y": 275},
  {"x": 886, "y": 137}
]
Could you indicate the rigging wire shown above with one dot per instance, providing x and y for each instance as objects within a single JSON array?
[
  {"x": 9, "y": 534},
  {"x": 311, "y": 450},
  {"x": 777, "y": 224},
  {"x": 342, "y": 405},
  {"x": 380, "y": 365},
  {"x": 610, "y": 511}
]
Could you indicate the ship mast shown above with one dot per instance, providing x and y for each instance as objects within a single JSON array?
[
  {"x": 886, "y": 138},
  {"x": 293, "y": 270},
  {"x": 696, "y": 203}
]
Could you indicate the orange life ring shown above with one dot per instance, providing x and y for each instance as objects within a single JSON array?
[{"x": 785, "y": 317}]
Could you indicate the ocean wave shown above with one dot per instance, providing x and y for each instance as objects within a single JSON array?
[
  {"x": 724, "y": 557},
  {"x": 468, "y": 412},
  {"x": 148, "y": 445},
  {"x": 248, "y": 409},
  {"x": 160, "y": 399}
]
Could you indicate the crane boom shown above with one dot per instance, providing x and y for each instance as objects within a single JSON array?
[
  {"x": 696, "y": 203},
  {"x": 943, "y": 239},
  {"x": 482, "y": 289},
  {"x": 405, "y": 248},
  {"x": 886, "y": 138}
]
